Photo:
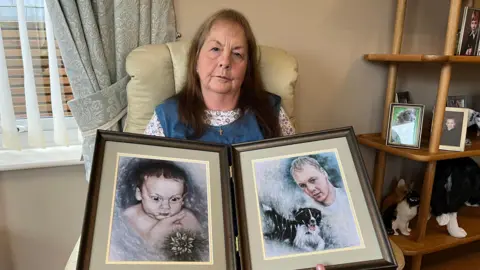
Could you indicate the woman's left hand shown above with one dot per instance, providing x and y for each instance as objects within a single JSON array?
[{"x": 320, "y": 267}]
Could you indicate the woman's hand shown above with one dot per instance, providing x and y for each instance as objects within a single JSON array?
[{"x": 320, "y": 267}]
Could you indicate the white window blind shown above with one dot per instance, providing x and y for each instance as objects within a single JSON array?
[{"x": 37, "y": 103}]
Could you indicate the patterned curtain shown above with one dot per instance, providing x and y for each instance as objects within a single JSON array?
[{"x": 95, "y": 38}]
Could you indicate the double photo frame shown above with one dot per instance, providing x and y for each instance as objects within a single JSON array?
[{"x": 283, "y": 203}]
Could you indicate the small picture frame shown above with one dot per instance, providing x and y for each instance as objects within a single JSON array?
[
  {"x": 403, "y": 97},
  {"x": 305, "y": 200},
  {"x": 405, "y": 125},
  {"x": 156, "y": 202},
  {"x": 457, "y": 101},
  {"x": 469, "y": 32},
  {"x": 454, "y": 129}
]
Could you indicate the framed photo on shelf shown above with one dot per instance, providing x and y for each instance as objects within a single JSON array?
[
  {"x": 457, "y": 101},
  {"x": 403, "y": 97},
  {"x": 454, "y": 129},
  {"x": 405, "y": 125},
  {"x": 157, "y": 202},
  {"x": 469, "y": 33},
  {"x": 306, "y": 199}
]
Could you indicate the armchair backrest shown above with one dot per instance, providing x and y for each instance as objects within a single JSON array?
[{"x": 157, "y": 72}]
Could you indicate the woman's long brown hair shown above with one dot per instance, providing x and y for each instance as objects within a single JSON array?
[{"x": 253, "y": 96}]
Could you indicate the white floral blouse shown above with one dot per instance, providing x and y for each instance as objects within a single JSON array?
[{"x": 221, "y": 118}]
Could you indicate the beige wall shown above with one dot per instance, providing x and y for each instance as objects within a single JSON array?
[
  {"x": 336, "y": 88},
  {"x": 41, "y": 214}
]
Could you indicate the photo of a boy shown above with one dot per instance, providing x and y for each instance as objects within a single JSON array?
[
  {"x": 451, "y": 134},
  {"x": 151, "y": 219},
  {"x": 471, "y": 34}
]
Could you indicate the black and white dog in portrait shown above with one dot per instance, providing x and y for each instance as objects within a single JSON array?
[{"x": 302, "y": 232}]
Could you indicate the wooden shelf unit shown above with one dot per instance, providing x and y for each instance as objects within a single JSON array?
[
  {"x": 427, "y": 236},
  {"x": 437, "y": 238},
  {"x": 422, "y": 58},
  {"x": 375, "y": 141}
]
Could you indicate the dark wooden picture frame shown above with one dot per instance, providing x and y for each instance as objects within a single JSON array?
[
  {"x": 244, "y": 156},
  {"x": 92, "y": 218}
]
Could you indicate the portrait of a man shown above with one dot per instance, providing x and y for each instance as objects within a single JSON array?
[{"x": 305, "y": 206}]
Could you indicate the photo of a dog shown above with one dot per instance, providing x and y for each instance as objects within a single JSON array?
[
  {"x": 303, "y": 231},
  {"x": 304, "y": 205}
]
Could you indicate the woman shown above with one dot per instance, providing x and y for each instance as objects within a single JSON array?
[{"x": 223, "y": 100}]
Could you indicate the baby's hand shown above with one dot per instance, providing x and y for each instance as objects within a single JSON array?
[{"x": 164, "y": 227}]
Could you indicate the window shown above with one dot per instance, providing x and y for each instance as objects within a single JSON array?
[{"x": 35, "y": 21}]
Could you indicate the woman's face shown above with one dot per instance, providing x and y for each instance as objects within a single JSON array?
[{"x": 222, "y": 60}]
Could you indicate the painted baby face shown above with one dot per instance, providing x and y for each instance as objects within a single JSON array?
[{"x": 161, "y": 197}]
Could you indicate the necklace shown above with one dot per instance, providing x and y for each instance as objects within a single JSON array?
[{"x": 220, "y": 131}]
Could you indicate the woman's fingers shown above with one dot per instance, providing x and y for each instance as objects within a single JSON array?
[{"x": 320, "y": 267}]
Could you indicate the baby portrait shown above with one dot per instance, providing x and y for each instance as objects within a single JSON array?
[
  {"x": 304, "y": 205},
  {"x": 405, "y": 125},
  {"x": 160, "y": 212}
]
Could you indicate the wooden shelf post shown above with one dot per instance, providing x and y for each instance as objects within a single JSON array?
[
  {"x": 381, "y": 156},
  {"x": 442, "y": 93}
]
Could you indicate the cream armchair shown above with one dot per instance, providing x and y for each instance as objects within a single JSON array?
[{"x": 158, "y": 71}]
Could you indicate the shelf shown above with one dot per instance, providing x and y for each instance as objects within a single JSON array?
[
  {"x": 374, "y": 140},
  {"x": 437, "y": 238},
  {"x": 422, "y": 58},
  {"x": 465, "y": 257}
]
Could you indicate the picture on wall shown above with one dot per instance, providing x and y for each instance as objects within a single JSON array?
[
  {"x": 157, "y": 201},
  {"x": 454, "y": 129},
  {"x": 469, "y": 32},
  {"x": 306, "y": 199},
  {"x": 405, "y": 125}
]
